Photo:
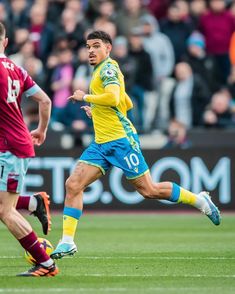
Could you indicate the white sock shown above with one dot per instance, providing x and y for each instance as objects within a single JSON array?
[
  {"x": 32, "y": 203},
  {"x": 202, "y": 205},
  {"x": 47, "y": 263},
  {"x": 67, "y": 239}
]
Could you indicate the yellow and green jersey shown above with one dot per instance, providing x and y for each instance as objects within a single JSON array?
[{"x": 110, "y": 122}]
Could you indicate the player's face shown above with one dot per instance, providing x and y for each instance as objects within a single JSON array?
[{"x": 97, "y": 51}]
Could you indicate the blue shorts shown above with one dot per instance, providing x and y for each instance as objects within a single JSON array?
[
  {"x": 124, "y": 153},
  {"x": 12, "y": 172}
]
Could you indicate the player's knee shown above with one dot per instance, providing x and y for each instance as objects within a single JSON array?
[{"x": 72, "y": 186}]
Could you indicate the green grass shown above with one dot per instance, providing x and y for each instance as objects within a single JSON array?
[{"x": 120, "y": 253}]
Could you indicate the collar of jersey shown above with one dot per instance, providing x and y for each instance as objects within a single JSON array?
[
  {"x": 95, "y": 68},
  {"x": 2, "y": 55}
]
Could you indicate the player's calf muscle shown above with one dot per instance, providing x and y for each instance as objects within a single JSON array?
[
  {"x": 150, "y": 190},
  {"x": 144, "y": 187}
]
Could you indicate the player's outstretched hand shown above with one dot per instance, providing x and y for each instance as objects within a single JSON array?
[
  {"x": 77, "y": 96},
  {"x": 38, "y": 137},
  {"x": 87, "y": 109}
]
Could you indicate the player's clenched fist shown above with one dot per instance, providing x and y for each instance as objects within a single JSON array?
[
  {"x": 78, "y": 95},
  {"x": 38, "y": 137}
]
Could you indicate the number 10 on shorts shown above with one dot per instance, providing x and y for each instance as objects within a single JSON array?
[{"x": 132, "y": 160}]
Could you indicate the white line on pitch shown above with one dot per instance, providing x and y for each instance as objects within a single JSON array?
[
  {"x": 140, "y": 257},
  {"x": 150, "y": 275},
  {"x": 63, "y": 290},
  {"x": 141, "y": 275},
  {"x": 158, "y": 257}
]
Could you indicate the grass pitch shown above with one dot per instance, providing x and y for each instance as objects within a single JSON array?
[{"x": 139, "y": 253}]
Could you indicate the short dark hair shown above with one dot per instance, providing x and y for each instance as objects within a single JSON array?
[
  {"x": 101, "y": 35},
  {"x": 2, "y": 31}
]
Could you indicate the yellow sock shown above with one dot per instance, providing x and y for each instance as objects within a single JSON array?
[
  {"x": 70, "y": 220},
  {"x": 69, "y": 226},
  {"x": 187, "y": 197}
]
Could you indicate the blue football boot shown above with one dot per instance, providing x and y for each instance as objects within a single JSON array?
[{"x": 64, "y": 249}]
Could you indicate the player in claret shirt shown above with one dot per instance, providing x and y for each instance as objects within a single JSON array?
[{"x": 16, "y": 149}]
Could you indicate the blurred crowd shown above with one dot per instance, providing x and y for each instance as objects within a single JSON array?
[{"x": 178, "y": 58}]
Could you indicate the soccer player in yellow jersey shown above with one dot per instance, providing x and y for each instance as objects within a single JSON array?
[{"x": 116, "y": 144}]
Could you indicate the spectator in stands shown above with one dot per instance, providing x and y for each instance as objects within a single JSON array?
[
  {"x": 61, "y": 43},
  {"x": 83, "y": 71},
  {"x": 21, "y": 35},
  {"x": 217, "y": 25},
  {"x": 160, "y": 48},
  {"x": 34, "y": 67},
  {"x": 189, "y": 97},
  {"x": 31, "y": 114},
  {"x": 26, "y": 50},
  {"x": 106, "y": 26},
  {"x": 62, "y": 85},
  {"x": 177, "y": 30},
  {"x": 71, "y": 28},
  {"x": 76, "y": 6},
  {"x": 201, "y": 63},
  {"x": 73, "y": 117},
  {"x": 129, "y": 17},
  {"x": 183, "y": 6},
  {"x": 158, "y": 8},
  {"x": 177, "y": 135},
  {"x": 106, "y": 10},
  {"x": 19, "y": 14},
  {"x": 197, "y": 9},
  {"x": 41, "y": 33},
  {"x": 126, "y": 62},
  {"x": 232, "y": 8},
  {"x": 97, "y": 8},
  {"x": 220, "y": 112},
  {"x": 10, "y": 30},
  {"x": 54, "y": 11},
  {"x": 143, "y": 77},
  {"x": 50, "y": 66},
  {"x": 33, "y": 26}
]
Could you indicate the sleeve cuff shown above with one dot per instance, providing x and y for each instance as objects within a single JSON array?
[{"x": 84, "y": 98}]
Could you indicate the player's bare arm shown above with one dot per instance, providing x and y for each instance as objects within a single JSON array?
[{"x": 44, "y": 102}]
